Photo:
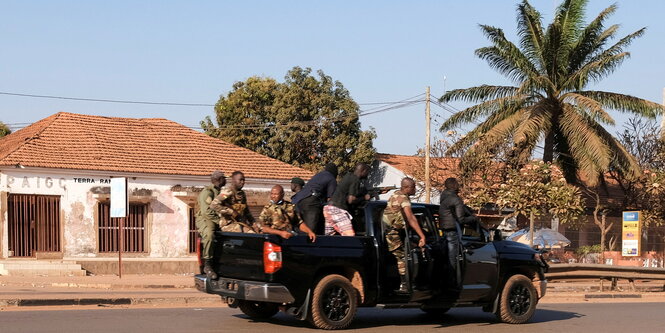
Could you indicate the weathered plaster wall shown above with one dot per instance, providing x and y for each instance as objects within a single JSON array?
[{"x": 80, "y": 191}]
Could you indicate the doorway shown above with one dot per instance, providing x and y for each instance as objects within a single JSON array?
[{"x": 33, "y": 224}]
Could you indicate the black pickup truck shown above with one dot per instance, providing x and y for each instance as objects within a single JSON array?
[{"x": 326, "y": 281}]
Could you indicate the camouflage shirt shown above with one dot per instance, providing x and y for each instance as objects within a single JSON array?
[
  {"x": 392, "y": 215},
  {"x": 205, "y": 199},
  {"x": 231, "y": 205},
  {"x": 280, "y": 216}
]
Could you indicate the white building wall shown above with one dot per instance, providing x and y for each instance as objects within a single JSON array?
[
  {"x": 167, "y": 223},
  {"x": 384, "y": 174}
]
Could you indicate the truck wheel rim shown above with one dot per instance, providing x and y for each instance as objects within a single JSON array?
[
  {"x": 520, "y": 300},
  {"x": 336, "y": 303}
]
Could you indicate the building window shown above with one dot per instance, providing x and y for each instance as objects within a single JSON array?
[
  {"x": 133, "y": 229},
  {"x": 193, "y": 232}
]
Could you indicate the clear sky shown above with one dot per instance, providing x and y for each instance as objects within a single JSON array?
[{"x": 193, "y": 51}]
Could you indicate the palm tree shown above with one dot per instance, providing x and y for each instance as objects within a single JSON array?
[{"x": 551, "y": 69}]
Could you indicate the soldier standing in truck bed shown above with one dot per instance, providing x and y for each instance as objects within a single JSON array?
[
  {"x": 207, "y": 221},
  {"x": 231, "y": 205}
]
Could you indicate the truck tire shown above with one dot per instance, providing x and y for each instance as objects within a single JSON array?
[
  {"x": 258, "y": 310},
  {"x": 518, "y": 300},
  {"x": 334, "y": 303}
]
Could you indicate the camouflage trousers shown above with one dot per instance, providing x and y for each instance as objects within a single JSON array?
[
  {"x": 396, "y": 247},
  {"x": 401, "y": 260},
  {"x": 238, "y": 227}
]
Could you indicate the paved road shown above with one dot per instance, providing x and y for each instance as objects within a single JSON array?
[{"x": 568, "y": 318}]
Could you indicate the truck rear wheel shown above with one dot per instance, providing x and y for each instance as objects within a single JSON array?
[
  {"x": 258, "y": 310},
  {"x": 518, "y": 300},
  {"x": 334, "y": 303}
]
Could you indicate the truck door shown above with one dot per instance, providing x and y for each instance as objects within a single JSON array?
[
  {"x": 422, "y": 261},
  {"x": 479, "y": 268}
]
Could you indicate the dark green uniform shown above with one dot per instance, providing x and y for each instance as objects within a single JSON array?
[
  {"x": 393, "y": 218},
  {"x": 234, "y": 215},
  {"x": 207, "y": 220},
  {"x": 280, "y": 216}
]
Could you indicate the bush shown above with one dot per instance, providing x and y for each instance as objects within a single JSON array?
[{"x": 584, "y": 250}]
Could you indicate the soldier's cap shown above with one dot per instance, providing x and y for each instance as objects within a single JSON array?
[
  {"x": 217, "y": 175},
  {"x": 298, "y": 180}
]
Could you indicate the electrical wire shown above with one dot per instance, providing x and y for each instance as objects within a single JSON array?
[{"x": 104, "y": 100}]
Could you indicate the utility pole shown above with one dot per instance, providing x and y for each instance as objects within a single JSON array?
[
  {"x": 428, "y": 189},
  {"x": 662, "y": 121}
]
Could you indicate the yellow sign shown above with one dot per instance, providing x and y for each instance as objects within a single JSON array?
[{"x": 631, "y": 234}]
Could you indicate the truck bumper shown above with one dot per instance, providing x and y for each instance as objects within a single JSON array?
[
  {"x": 244, "y": 290},
  {"x": 541, "y": 287}
]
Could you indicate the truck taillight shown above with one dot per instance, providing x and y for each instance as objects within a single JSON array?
[
  {"x": 272, "y": 257},
  {"x": 198, "y": 251}
]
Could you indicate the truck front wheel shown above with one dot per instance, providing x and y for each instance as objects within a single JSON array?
[
  {"x": 334, "y": 303},
  {"x": 518, "y": 300},
  {"x": 258, "y": 310}
]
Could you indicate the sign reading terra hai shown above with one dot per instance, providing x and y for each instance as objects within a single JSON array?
[{"x": 631, "y": 234}]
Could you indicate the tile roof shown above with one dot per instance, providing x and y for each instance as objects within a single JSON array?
[
  {"x": 443, "y": 167},
  {"x": 152, "y": 145}
]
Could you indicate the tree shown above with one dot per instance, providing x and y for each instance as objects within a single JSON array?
[
  {"x": 306, "y": 120},
  {"x": 642, "y": 139},
  {"x": 537, "y": 190},
  {"x": 551, "y": 69},
  {"x": 4, "y": 129}
]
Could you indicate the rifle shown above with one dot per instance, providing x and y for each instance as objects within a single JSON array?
[{"x": 375, "y": 191}]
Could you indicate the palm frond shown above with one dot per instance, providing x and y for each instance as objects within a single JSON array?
[
  {"x": 492, "y": 121},
  {"x": 626, "y": 103},
  {"x": 593, "y": 108},
  {"x": 570, "y": 16},
  {"x": 619, "y": 46},
  {"x": 587, "y": 147},
  {"x": 623, "y": 160},
  {"x": 505, "y": 56},
  {"x": 536, "y": 123},
  {"x": 530, "y": 31},
  {"x": 472, "y": 113},
  {"x": 594, "y": 71},
  {"x": 479, "y": 93},
  {"x": 590, "y": 40}
]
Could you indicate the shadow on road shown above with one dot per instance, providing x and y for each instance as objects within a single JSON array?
[{"x": 373, "y": 318}]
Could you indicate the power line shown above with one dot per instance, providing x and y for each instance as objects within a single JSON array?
[
  {"x": 104, "y": 100},
  {"x": 396, "y": 102}
]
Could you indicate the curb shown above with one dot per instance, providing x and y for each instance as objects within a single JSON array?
[
  {"x": 99, "y": 285},
  {"x": 110, "y": 301}
]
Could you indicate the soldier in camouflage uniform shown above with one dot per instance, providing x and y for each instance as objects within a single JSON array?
[
  {"x": 231, "y": 205},
  {"x": 397, "y": 213},
  {"x": 207, "y": 220},
  {"x": 279, "y": 217}
]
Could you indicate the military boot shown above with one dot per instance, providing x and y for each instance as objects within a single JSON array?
[
  {"x": 209, "y": 270},
  {"x": 403, "y": 286}
]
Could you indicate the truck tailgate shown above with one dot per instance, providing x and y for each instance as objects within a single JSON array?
[{"x": 240, "y": 255}]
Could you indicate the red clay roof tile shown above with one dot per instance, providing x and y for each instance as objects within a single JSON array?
[{"x": 159, "y": 146}]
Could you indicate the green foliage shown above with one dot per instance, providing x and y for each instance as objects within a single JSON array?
[
  {"x": 4, "y": 129},
  {"x": 538, "y": 189},
  {"x": 308, "y": 120},
  {"x": 551, "y": 68},
  {"x": 587, "y": 249}
]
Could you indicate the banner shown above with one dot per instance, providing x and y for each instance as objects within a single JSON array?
[{"x": 631, "y": 234}]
